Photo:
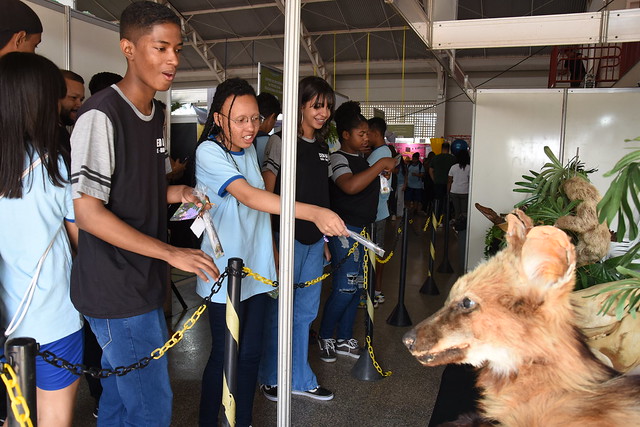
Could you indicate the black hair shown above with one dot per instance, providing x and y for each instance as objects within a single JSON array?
[
  {"x": 103, "y": 80},
  {"x": 140, "y": 17},
  {"x": 17, "y": 16},
  {"x": 378, "y": 124},
  {"x": 70, "y": 75},
  {"x": 268, "y": 105},
  {"x": 234, "y": 88},
  {"x": 348, "y": 117},
  {"x": 31, "y": 86},
  {"x": 316, "y": 87},
  {"x": 446, "y": 146},
  {"x": 463, "y": 158}
]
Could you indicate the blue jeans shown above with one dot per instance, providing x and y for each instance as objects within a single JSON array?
[
  {"x": 251, "y": 315},
  {"x": 142, "y": 397},
  {"x": 308, "y": 263},
  {"x": 342, "y": 304}
]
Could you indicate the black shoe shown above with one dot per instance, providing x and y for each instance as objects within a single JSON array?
[
  {"x": 318, "y": 393},
  {"x": 270, "y": 392}
]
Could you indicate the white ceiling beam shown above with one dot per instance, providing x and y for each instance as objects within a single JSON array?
[
  {"x": 191, "y": 13},
  {"x": 310, "y": 47},
  {"x": 311, "y": 33},
  {"x": 419, "y": 18},
  {"x": 201, "y": 47},
  {"x": 547, "y": 30}
]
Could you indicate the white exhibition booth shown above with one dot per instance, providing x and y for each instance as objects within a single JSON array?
[{"x": 512, "y": 126}]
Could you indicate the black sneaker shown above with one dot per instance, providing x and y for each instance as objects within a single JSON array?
[
  {"x": 348, "y": 348},
  {"x": 270, "y": 392},
  {"x": 318, "y": 393},
  {"x": 327, "y": 349}
]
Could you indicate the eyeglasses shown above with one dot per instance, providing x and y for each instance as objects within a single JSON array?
[{"x": 242, "y": 121}]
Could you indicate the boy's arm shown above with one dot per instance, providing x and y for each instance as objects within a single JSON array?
[{"x": 93, "y": 217}]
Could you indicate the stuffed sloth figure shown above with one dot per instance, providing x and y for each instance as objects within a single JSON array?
[{"x": 593, "y": 237}]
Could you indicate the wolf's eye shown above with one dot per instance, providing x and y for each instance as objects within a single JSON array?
[{"x": 467, "y": 303}]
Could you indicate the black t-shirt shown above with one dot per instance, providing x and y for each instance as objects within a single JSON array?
[
  {"x": 355, "y": 209},
  {"x": 107, "y": 281},
  {"x": 312, "y": 186}
]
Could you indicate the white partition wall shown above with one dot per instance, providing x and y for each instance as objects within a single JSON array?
[
  {"x": 79, "y": 42},
  {"x": 511, "y": 127}
]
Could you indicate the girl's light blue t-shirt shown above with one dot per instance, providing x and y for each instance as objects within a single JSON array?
[
  {"x": 28, "y": 226},
  {"x": 243, "y": 232}
]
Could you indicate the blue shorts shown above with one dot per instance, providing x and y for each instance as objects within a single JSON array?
[{"x": 51, "y": 378}]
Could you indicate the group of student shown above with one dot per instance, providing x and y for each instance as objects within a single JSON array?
[{"x": 106, "y": 200}]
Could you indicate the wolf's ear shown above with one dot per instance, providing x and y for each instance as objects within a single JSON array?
[
  {"x": 518, "y": 225},
  {"x": 548, "y": 257}
]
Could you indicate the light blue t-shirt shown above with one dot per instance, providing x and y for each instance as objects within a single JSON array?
[
  {"x": 29, "y": 225},
  {"x": 380, "y": 153},
  {"x": 412, "y": 180},
  {"x": 243, "y": 232}
]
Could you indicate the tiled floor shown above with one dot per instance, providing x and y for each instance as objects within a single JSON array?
[{"x": 403, "y": 399}]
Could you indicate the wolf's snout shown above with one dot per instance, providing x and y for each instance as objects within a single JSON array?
[{"x": 409, "y": 339}]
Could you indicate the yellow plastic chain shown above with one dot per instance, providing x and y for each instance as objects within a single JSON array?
[
  {"x": 365, "y": 268},
  {"x": 308, "y": 283},
  {"x": 177, "y": 336},
  {"x": 388, "y": 258},
  {"x": 18, "y": 402}
]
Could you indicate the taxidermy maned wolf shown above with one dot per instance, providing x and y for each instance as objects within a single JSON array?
[{"x": 512, "y": 318}]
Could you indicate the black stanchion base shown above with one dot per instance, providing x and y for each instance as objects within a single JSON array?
[
  {"x": 429, "y": 287},
  {"x": 399, "y": 316},
  {"x": 364, "y": 370},
  {"x": 445, "y": 267}
]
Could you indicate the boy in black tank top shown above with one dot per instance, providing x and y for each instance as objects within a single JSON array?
[{"x": 119, "y": 278}]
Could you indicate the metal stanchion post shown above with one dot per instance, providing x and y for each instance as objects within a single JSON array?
[
  {"x": 400, "y": 316},
  {"x": 21, "y": 355},
  {"x": 445, "y": 267},
  {"x": 429, "y": 286},
  {"x": 364, "y": 369},
  {"x": 231, "y": 342}
]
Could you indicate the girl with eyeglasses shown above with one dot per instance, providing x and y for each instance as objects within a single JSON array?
[{"x": 227, "y": 170}]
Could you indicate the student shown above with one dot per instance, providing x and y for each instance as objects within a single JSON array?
[
  {"x": 354, "y": 188},
  {"x": 270, "y": 109},
  {"x": 226, "y": 167},
  {"x": 315, "y": 100},
  {"x": 20, "y": 27},
  {"x": 37, "y": 213},
  {"x": 415, "y": 185},
  {"x": 119, "y": 278},
  {"x": 458, "y": 184},
  {"x": 380, "y": 150}
]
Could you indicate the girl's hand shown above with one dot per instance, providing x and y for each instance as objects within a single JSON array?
[{"x": 329, "y": 223}]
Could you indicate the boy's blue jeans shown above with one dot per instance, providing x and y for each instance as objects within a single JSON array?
[{"x": 142, "y": 397}]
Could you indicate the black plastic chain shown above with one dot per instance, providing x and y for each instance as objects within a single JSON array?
[{"x": 80, "y": 369}]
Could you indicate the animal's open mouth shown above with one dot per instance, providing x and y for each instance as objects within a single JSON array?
[{"x": 450, "y": 355}]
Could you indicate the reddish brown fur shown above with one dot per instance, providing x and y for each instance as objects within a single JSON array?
[{"x": 535, "y": 369}]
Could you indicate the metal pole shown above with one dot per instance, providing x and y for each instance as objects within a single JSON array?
[
  {"x": 364, "y": 369},
  {"x": 400, "y": 316},
  {"x": 429, "y": 286},
  {"x": 287, "y": 214},
  {"x": 445, "y": 267},
  {"x": 21, "y": 355},
  {"x": 231, "y": 342}
]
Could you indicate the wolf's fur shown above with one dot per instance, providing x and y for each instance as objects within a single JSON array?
[{"x": 512, "y": 318}]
